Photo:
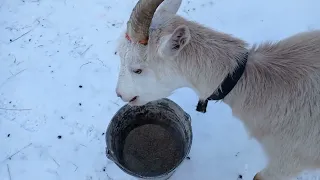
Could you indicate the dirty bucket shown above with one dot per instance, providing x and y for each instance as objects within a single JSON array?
[{"x": 149, "y": 141}]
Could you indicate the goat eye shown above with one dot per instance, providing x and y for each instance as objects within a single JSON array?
[{"x": 137, "y": 71}]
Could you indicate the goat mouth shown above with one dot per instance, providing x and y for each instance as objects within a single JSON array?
[{"x": 133, "y": 99}]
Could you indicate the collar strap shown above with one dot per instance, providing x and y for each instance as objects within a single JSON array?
[
  {"x": 226, "y": 87},
  {"x": 143, "y": 42},
  {"x": 230, "y": 81}
]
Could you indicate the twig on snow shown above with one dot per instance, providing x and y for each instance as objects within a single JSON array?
[
  {"x": 55, "y": 161},
  {"x": 114, "y": 103},
  {"x": 14, "y": 75},
  {"x": 8, "y": 109},
  {"x": 17, "y": 152},
  {"x": 109, "y": 178},
  {"x": 9, "y": 173},
  {"x": 83, "y": 145},
  {"x": 85, "y": 64},
  {"x": 75, "y": 166},
  {"x": 84, "y": 52},
  {"x": 13, "y": 40},
  {"x": 102, "y": 63}
]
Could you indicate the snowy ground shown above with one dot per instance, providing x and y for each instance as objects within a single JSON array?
[{"x": 49, "y": 49}]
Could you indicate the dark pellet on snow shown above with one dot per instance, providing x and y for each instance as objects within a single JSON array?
[
  {"x": 188, "y": 158},
  {"x": 104, "y": 169},
  {"x": 103, "y": 134},
  {"x": 80, "y": 104},
  {"x": 80, "y": 86},
  {"x": 8, "y": 135},
  {"x": 151, "y": 149},
  {"x": 59, "y": 137},
  {"x": 240, "y": 176}
]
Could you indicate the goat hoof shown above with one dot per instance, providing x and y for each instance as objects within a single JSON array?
[{"x": 257, "y": 177}]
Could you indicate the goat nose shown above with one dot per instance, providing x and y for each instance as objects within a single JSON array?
[{"x": 118, "y": 94}]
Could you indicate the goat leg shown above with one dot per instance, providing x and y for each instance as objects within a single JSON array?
[
  {"x": 202, "y": 106},
  {"x": 283, "y": 166}
]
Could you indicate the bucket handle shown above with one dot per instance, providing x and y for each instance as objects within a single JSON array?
[
  {"x": 110, "y": 157},
  {"x": 109, "y": 154}
]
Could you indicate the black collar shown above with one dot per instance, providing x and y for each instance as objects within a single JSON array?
[
  {"x": 230, "y": 81},
  {"x": 226, "y": 86}
]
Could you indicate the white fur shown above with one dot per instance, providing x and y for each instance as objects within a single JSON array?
[{"x": 277, "y": 98}]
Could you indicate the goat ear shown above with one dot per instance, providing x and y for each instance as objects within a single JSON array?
[
  {"x": 165, "y": 12},
  {"x": 171, "y": 6},
  {"x": 176, "y": 41}
]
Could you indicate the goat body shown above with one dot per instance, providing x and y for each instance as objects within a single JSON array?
[{"x": 277, "y": 98}]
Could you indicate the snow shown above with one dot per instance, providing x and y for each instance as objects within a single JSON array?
[{"x": 48, "y": 48}]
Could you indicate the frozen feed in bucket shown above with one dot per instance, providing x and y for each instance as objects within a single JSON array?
[{"x": 150, "y": 141}]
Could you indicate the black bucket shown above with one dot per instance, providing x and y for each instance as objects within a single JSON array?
[{"x": 150, "y": 141}]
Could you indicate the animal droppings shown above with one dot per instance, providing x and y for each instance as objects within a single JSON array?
[
  {"x": 59, "y": 137},
  {"x": 151, "y": 150}
]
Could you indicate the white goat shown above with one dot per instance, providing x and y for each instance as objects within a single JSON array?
[{"x": 277, "y": 97}]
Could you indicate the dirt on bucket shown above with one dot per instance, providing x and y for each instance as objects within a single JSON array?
[{"x": 151, "y": 149}]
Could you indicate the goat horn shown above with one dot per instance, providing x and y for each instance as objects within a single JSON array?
[{"x": 140, "y": 19}]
